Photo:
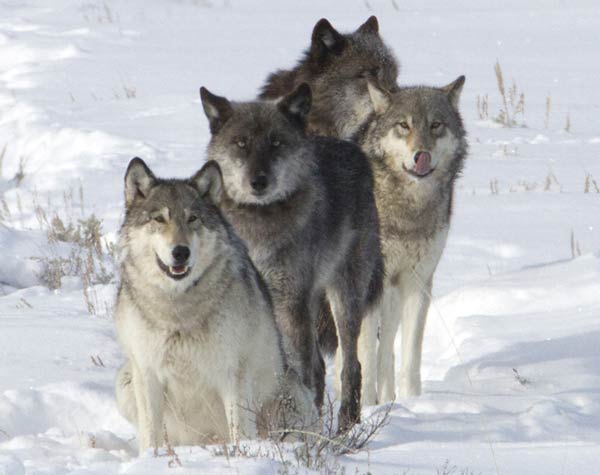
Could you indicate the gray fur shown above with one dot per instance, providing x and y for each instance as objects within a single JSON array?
[
  {"x": 313, "y": 232},
  {"x": 337, "y": 67},
  {"x": 204, "y": 354},
  {"x": 415, "y": 212}
]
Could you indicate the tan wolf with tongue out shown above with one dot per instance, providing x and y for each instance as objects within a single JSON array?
[{"x": 417, "y": 144}]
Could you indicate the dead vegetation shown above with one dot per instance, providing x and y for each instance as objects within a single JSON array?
[
  {"x": 512, "y": 112},
  {"x": 318, "y": 451},
  {"x": 575, "y": 249},
  {"x": 75, "y": 245}
]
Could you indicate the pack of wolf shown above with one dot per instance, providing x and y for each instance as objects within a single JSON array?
[{"x": 314, "y": 227}]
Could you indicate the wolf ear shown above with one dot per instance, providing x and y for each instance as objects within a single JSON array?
[
  {"x": 379, "y": 98},
  {"x": 325, "y": 39},
  {"x": 454, "y": 89},
  {"x": 139, "y": 179},
  {"x": 217, "y": 109},
  {"x": 369, "y": 27},
  {"x": 296, "y": 105},
  {"x": 209, "y": 181}
]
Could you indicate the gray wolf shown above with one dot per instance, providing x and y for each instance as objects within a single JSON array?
[
  {"x": 194, "y": 318},
  {"x": 337, "y": 66},
  {"x": 306, "y": 209},
  {"x": 417, "y": 145}
]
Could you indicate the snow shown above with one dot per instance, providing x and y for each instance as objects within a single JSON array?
[{"x": 511, "y": 363}]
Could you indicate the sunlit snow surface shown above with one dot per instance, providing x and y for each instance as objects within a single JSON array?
[{"x": 512, "y": 352}]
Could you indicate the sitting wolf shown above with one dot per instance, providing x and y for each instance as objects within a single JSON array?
[
  {"x": 417, "y": 145},
  {"x": 336, "y": 67},
  {"x": 306, "y": 209},
  {"x": 205, "y": 361}
]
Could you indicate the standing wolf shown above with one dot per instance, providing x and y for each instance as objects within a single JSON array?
[
  {"x": 305, "y": 206},
  {"x": 417, "y": 145},
  {"x": 336, "y": 67},
  {"x": 194, "y": 318}
]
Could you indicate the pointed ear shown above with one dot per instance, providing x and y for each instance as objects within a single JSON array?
[
  {"x": 379, "y": 98},
  {"x": 139, "y": 179},
  {"x": 296, "y": 105},
  {"x": 369, "y": 27},
  {"x": 217, "y": 109},
  {"x": 209, "y": 181},
  {"x": 325, "y": 39},
  {"x": 454, "y": 89}
]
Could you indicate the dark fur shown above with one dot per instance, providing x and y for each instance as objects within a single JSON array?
[
  {"x": 318, "y": 240},
  {"x": 337, "y": 66}
]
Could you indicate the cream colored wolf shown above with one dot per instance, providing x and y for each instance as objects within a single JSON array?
[
  {"x": 194, "y": 317},
  {"x": 416, "y": 143}
]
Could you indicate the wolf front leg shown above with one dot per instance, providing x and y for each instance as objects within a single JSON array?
[
  {"x": 240, "y": 407},
  {"x": 367, "y": 355},
  {"x": 416, "y": 300},
  {"x": 390, "y": 314},
  {"x": 149, "y": 398}
]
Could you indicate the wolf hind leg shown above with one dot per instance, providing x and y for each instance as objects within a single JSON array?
[{"x": 346, "y": 307}]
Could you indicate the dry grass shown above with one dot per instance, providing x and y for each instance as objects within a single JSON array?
[
  {"x": 513, "y": 101},
  {"x": 568, "y": 123},
  {"x": 483, "y": 107},
  {"x": 449, "y": 469},
  {"x": 317, "y": 451},
  {"x": 589, "y": 183},
  {"x": 494, "y": 190},
  {"x": 547, "y": 117},
  {"x": 98, "y": 12},
  {"x": 551, "y": 182},
  {"x": 575, "y": 249},
  {"x": 75, "y": 248}
]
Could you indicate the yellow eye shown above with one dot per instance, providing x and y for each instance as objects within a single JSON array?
[
  {"x": 405, "y": 125},
  {"x": 436, "y": 125},
  {"x": 159, "y": 219}
]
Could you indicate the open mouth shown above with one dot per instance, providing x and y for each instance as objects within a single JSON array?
[
  {"x": 418, "y": 175},
  {"x": 174, "y": 272}
]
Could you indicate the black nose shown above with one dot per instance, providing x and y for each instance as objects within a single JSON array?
[
  {"x": 259, "y": 182},
  {"x": 181, "y": 254},
  {"x": 422, "y": 155}
]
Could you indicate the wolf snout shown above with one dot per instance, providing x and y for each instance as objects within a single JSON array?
[
  {"x": 259, "y": 182},
  {"x": 180, "y": 254},
  {"x": 422, "y": 163}
]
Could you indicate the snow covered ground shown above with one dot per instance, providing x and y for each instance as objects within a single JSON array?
[{"x": 512, "y": 360}]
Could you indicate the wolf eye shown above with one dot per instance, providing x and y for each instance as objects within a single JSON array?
[
  {"x": 435, "y": 125},
  {"x": 241, "y": 143},
  {"x": 405, "y": 125},
  {"x": 275, "y": 143},
  {"x": 192, "y": 218},
  {"x": 374, "y": 71},
  {"x": 159, "y": 219}
]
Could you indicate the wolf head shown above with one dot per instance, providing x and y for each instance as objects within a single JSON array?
[
  {"x": 171, "y": 229},
  {"x": 337, "y": 67},
  {"x": 418, "y": 131},
  {"x": 261, "y": 147}
]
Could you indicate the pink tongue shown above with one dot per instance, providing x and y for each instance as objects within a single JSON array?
[
  {"x": 178, "y": 269},
  {"x": 423, "y": 165}
]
